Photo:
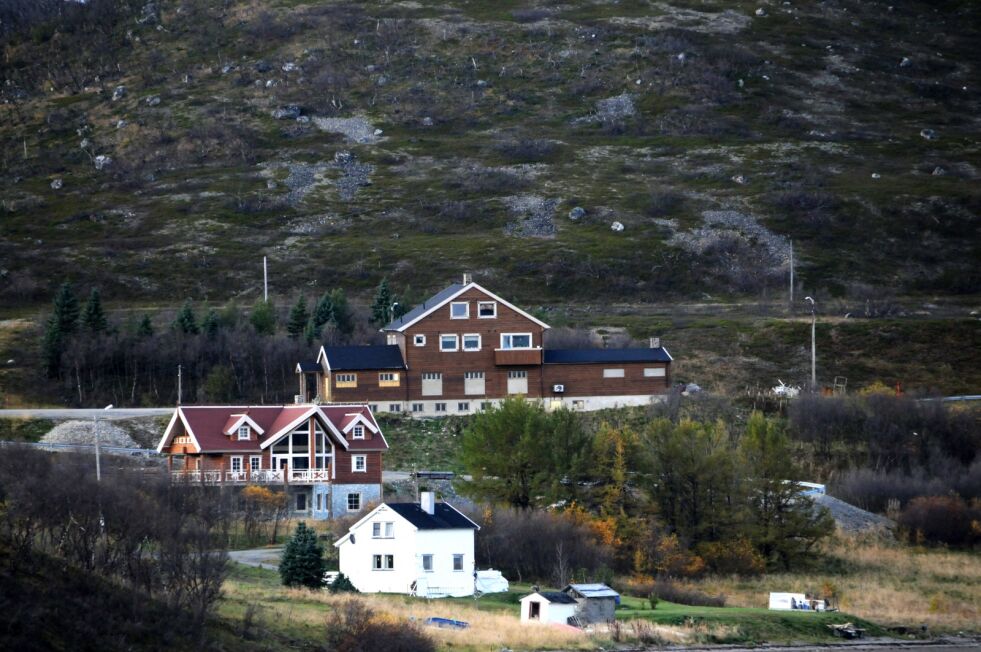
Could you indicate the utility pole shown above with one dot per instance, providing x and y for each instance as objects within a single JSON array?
[
  {"x": 265, "y": 281},
  {"x": 791, "y": 274},
  {"x": 813, "y": 346},
  {"x": 179, "y": 388},
  {"x": 95, "y": 423}
]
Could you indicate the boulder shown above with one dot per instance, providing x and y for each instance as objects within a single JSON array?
[
  {"x": 153, "y": 100},
  {"x": 929, "y": 134},
  {"x": 120, "y": 124},
  {"x": 617, "y": 227},
  {"x": 905, "y": 62},
  {"x": 938, "y": 171},
  {"x": 288, "y": 112},
  {"x": 577, "y": 213},
  {"x": 262, "y": 66},
  {"x": 56, "y": 184},
  {"x": 102, "y": 161},
  {"x": 118, "y": 93},
  {"x": 289, "y": 66},
  {"x": 427, "y": 122},
  {"x": 760, "y": 12}
]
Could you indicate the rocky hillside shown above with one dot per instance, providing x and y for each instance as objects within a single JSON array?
[{"x": 631, "y": 150}]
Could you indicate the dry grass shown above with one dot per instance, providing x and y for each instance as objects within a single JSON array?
[{"x": 888, "y": 583}]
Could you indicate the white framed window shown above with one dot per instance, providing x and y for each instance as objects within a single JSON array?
[
  {"x": 473, "y": 383},
  {"x": 392, "y": 338},
  {"x": 460, "y": 310},
  {"x": 347, "y": 380},
  {"x": 427, "y": 563},
  {"x": 432, "y": 383},
  {"x": 236, "y": 464},
  {"x": 183, "y": 439},
  {"x": 394, "y": 407},
  {"x": 613, "y": 373},
  {"x": 579, "y": 405},
  {"x": 255, "y": 463},
  {"x": 417, "y": 407},
  {"x": 353, "y": 502},
  {"x": 449, "y": 343},
  {"x": 458, "y": 562},
  {"x": 359, "y": 463},
  {"x": 485, "y": 405},
  {"x": 463, "y": 407},
  {"x": 382, "y": 562},
  {"x": 441, "y": 407},
  {"x": 471, "y": 342},
  {"x": 244, "y": 432},
  {"x": 515, "y": 340},
  {"x": 487, "y": 309},
  {"x": 388, "y": 379},
  {"x": 374, "y": 407},
  {"x": 357, "y": 432},
  {"x": 654, "y": 372},
  {"x": 517, "y": 382},
  {"x": 419, "y": 340},
  {"x": 383, "y": 530},
  {"x": 517, "y": 374}
]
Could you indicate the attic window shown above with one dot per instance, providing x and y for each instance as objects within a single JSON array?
[
  {"x": 460, "y": 310},
  {"x": 244, "y": 432},
  {"x": 358, "y": 432},
  {"x": 419, "y": 340},
  {"x": 487, "y": 309}
]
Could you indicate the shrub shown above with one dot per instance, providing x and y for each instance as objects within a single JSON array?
[
  {"x": 668, "y": 590},
  {"x": 342, "y": 584},
  {"x": 942, "y": 519},
  {"x": 352, "y": 627},
  {"x": 652, "y": 598},
  {"x": 737, "y": 557}
]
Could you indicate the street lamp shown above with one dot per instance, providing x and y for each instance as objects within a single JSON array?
[
  {"x": 98, "y": 468},
  {"x": 813, "y": 346}
]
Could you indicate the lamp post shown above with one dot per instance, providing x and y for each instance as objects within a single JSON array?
[
  {"x": 813, "y": 346},
  {"x": 98, "y": 467}
]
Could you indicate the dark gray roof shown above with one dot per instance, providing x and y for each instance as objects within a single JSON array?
[
  {"x": 434, "y": 300},
  {"x": 587, "y": 356},
  {"x": 443, "y": 517},
  {"x": 306, "y": 365},
  {"x": 379, "y": 356},
  {"x": 557, "y": 597},
  {"x": 592, "y": 590}
]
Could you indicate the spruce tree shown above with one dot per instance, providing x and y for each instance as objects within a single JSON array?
[
  {"x": 186, "y": 322},
  {"x": 263, "y": 318},
  {"x": 323, "y": 313},
  {"x": 211, "y": 324},
  {"x": 298, "y": 318},
  {"x": 145, "y": 327},
  {"x": 93, "y": 316},
  {"x": 66, "y": 310},
  {"x": 309, "y": 332},
  {"x": 381, "y": 307},
  {"x": 303, "y": 562},
  {"x": 342, "y": 312}
]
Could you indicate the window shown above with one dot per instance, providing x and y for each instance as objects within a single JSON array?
[
  {"x": 359, "y": 463},
  {"x": 320, "y": 502},
  {"x": 473, "y": 383},
  {"x": 427, "y": 563},
  {"x": 357, "y": 432},
  {"x": 487, "y": 309},
  {"x": 471, "y": 342},
  {"x": 353, "y": 502},
  {"x": 417, "y": 407},
  {"x": 654, "y": 372},
  {"x": 347, "y": 380},
  {"x": 255, "y": 463},
  {"x": 458, "y": 562},
  {"x": 391, "y": 339},
  {"x": 432, "y": 384},
  {"x": 419, "y": 340},
  {"x": 517, "y": 382},
  {"x": 462, "y": 407},
  {"x": 373, "y": 407},
  {"x": 243, "y": 432},
  {"x": 579, "y": 405},
  {"x": 441, "y": 407},
  {"x": 382, "y": 562},
  {"x": 383, "y": 530},
  {"x": 448, "y": 343},
  {"x": 236, "y": 464},
  {"x": 388, "y": 379},
  {"x": 515, "y": 340},
  {"x": 459, "y": 310},
  {"x": 301, "y": 502},
  {"x": 517, "y": 374},
  {"x": 183, "y": 439},
  {"x": 485, "y": 405},
  {"x": 394, "y": 407},
  {"x": 613, "y": 373}
]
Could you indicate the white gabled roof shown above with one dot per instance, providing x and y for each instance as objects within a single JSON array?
[
  {"x": 243, "y": 419},
  {"x": 178, "y": 414},
  {"x": 444, "y": 298}
]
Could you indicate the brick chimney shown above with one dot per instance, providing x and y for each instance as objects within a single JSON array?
[{"x": 427, "y": 500}]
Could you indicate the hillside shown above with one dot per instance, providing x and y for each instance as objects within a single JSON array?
[{"x": 158, "y": 149}]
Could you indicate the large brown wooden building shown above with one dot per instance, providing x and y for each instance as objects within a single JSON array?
[{"x": 465, "y": 348}]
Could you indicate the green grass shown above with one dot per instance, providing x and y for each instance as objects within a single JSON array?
[{"x": 24, "y": 430}]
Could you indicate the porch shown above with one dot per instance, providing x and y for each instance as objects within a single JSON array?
[{"x": 261, "y": 476}]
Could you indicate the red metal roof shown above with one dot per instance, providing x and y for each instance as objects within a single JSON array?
[{"x": 207, "y": 424}]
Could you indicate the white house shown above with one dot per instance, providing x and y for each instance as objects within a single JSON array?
[
  {"x": 548, "y": 607},
  {"x": 424, "y": 548}
]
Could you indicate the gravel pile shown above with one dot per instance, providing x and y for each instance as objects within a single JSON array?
[
  {"x": 723, "y": 224},
  {"x": 535, "y": 216},
  {"x": 851, "y": 519},
  {"x": 356, "y": 129},
  {"x": 354, "y": 174},
  {"x": 301, "y": 180},
  {"x": 82, "y": 432},
  {"x": 611, "y": 109}
]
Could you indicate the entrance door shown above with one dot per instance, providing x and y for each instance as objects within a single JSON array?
[{"x": 535, "y": 611}]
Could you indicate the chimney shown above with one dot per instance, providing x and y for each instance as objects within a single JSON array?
[
  {"x": 427, "y": 500},
  {"x": 467, "y": 278},
  {"x": 655, "y": 342}
]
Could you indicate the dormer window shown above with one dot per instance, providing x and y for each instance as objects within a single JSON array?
[
  {"x": 357, "y": 432},
  {"x": 244, "y": 432}
]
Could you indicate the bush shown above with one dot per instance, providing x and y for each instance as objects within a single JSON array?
[
  {"x": 668, "y": 590},
  {"x": 942, "y": 519},
  {"x": 652, "y": 598},
  {"x": 342, "y": 584},
  {"x": 352, "y": 627},
  {"x": 737, "y": 557}
]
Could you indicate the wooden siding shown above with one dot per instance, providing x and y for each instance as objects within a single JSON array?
[
  {"x": 588, "y": 380},
  {"x": 344, "y": 474}
]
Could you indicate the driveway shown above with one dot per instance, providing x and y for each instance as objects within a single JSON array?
[{"x": 258, "y": 557}]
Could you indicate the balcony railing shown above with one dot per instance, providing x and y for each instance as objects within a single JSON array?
[
  {"x": 261, "y": 476},
  {"x": 507, "y": 357}
]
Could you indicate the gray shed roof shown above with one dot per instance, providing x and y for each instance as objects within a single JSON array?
[
  {"x": 434, "y": 300},
  {"x": 591, "y": 590},
  {"x": 554, "y": 596}
]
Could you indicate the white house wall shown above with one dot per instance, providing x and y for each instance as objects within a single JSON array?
[
  {"x": 474, "y": 404},
  {"x": 442, "y": 545}
]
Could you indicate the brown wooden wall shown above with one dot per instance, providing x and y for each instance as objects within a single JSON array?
[
  {"x": 588, "y": 380},
  {"x": 367, "y": 390},
  {"x": 344, "y": 475}
]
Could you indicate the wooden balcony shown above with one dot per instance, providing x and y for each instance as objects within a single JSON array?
[
  {"x": 263, "y": 476},
  {"x": 517, "y": 357}
]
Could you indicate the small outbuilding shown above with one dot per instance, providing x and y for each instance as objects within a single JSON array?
[
  {"x": 595, "y": 603},
  {"x": 548, "y": 607}
]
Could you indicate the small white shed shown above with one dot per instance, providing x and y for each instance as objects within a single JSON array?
[{"x": 548, "y": 607}]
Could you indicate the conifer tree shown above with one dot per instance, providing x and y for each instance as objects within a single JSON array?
[
  {"x": 342, "y": 311},
  {"x": 263, "y": 318},
  {"x": 381, "y": 307},
  {"x": 186, "y": 322},
  {"x": 323, "y": 313},
  {"x": 145, "y": 327},
  {"x": 93, "y": 316},
  {"x": 211, "y": 324},
  {"x": 303, "y": 562},
  {"x": 66, "y": 310},
  {"x": 309, "y": 332},
  {"x": 298, "y": 318}
]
